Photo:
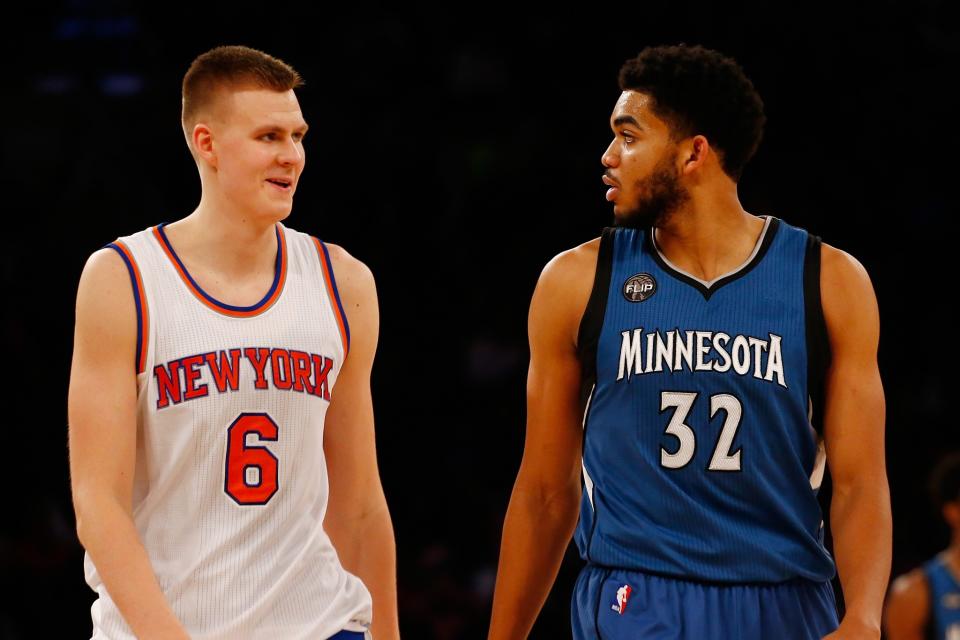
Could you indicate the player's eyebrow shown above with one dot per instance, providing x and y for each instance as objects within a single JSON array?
[
  {"x": 621, "y": 120},
  {"x": 270, "y": 128}
]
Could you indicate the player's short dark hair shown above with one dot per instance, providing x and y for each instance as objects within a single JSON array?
[
  {"x": 945, "y": 480},
  {"x": 232, "y": 67},
  {"x": 700, "y": 91}
]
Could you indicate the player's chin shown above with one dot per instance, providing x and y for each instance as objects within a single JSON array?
[
  {"x": 621, "y": 211},
  {"x": 283, "y": 214},
  {"x": 277, "y": 211},
  {"x": 622, "y": 202}
]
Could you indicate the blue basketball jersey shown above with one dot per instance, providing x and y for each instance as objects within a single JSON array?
[
  {"x": 944, "y": 599},
  {"x": 700, "y": 456}
]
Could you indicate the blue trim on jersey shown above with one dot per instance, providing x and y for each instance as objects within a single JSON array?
[
  {"x": 211, "y": 299},
  {"x": 944, "y": 597},
  {"x": 136, "y": 299},
  {"x": 336, "y": 292},
  {"x": 348, "y": 635}
]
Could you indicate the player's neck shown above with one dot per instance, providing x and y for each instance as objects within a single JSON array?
[
  {"x": 226, "y": 243},
  {"x": 710, "y": 237}
]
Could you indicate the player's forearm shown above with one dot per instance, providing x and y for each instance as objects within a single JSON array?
[
  {"x": 366, "y": 548},
  {"x": 862, "y": 532},
  {"x": 536, "y": 533},
  {"x": 108, "y": 534}
]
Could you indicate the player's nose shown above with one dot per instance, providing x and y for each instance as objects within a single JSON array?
[
  {"x": 609, "y": 157},
  {"x": 291, "y": 153}
]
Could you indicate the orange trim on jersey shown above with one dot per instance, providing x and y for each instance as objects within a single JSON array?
[
  {"x": 144, "y": 317},
  {"x": 237, "y": 312},
  {"x": 333, "y": 295}
]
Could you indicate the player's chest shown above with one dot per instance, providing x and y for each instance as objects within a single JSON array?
[
  {"x": 757, "y": 335},
  {"x": 196, "y": 356}
]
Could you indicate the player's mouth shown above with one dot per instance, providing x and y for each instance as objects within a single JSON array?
[
  {"x": 283, "y": 184},
  {"x": 614, "y": 189}
]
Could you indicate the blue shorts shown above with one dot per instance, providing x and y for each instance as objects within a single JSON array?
[
  {"x": 347, "y": 635},
  {"x": 611, "y": 604}
]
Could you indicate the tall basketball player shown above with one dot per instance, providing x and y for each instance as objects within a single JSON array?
[
  {"x": 925, "y": 603},
  {"x": 221, "y": 426},
  {"x": 693, "y": 366}
]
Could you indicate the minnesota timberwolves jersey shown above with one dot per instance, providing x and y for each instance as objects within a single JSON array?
[
  {"x": 230, "y": 486},
  {"x": 700, "y": 455},
  {"x": 944, "y": 599}
]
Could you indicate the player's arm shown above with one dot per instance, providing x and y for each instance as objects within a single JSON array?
[
  {"x": 357, "y": 519},
  {"x": 908, "y": 607},
  {"x": 103, "y": 437},
  {"x": 854, "y": 437},
  {"x": 544, "y": 504}
]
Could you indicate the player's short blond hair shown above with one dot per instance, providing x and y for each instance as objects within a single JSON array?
[{"x": 231, "y": 67}]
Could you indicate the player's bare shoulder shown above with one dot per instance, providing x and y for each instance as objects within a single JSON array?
[
  {"x": 564, "y": 288},
  {"x": 105, "y": 338},
  {"x": 846, "y": 293},
  {"x": 579, "y": 261},
  {"x": 355, "y": 280},
  {"x": 908, "y": 605},
  {"x": 105, "y": 301},
  {"x": 358, "y": 294},
  {"x": 839, "y": 269},
  {"x": 104, "y": 268},
  {"x": 912, "y": 587}
]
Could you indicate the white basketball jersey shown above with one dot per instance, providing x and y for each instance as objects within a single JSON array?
[{"x": 230, "y": 488}]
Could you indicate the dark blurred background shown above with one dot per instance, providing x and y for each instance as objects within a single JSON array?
[{"x": 455, "y": 150}]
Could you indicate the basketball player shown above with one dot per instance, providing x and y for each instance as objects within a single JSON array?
[
  {"x": 925, "y": 603},
  {"x": 674, "y": 366},
  {"x": 221, "y": 427}
]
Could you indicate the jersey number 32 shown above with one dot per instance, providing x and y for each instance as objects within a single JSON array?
[{"x": 682, "y": 402}]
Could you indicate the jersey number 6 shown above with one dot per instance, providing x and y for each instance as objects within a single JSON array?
[
  {"x": 682, "y": 402},
  {"x": 251, "y": 475}
]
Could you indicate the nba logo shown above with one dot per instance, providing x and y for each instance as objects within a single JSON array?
[{"x": 623, "y": 594}]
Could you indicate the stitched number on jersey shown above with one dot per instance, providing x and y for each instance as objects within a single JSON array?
[
  {"x": 251, "y": 470},
  {"x": 682, "y": 402}
]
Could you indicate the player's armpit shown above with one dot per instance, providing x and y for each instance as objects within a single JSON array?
[
  {"x": 854, "y": 437},
  {"x": 102, "y": 434},
  {"x": 357, "y": 520},
  {"x": 908, "y": 607}
]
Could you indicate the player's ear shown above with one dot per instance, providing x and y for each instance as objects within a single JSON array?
[
  {"x": 202, "y": 138},
  {"x": 692, "y": 153}
]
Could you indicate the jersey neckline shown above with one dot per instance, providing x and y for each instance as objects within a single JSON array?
[
  {"x": 708, "y": 288},
  {"x": 272, "y": 295}
]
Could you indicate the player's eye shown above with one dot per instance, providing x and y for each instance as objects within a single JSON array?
[{"x": 268, "y": 136}]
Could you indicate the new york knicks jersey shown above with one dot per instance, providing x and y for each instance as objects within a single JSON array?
[
  {"x": 700, "y": 456},
  {"x": 230, "y": 486},
  {"x": 944, "y": 599}
]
